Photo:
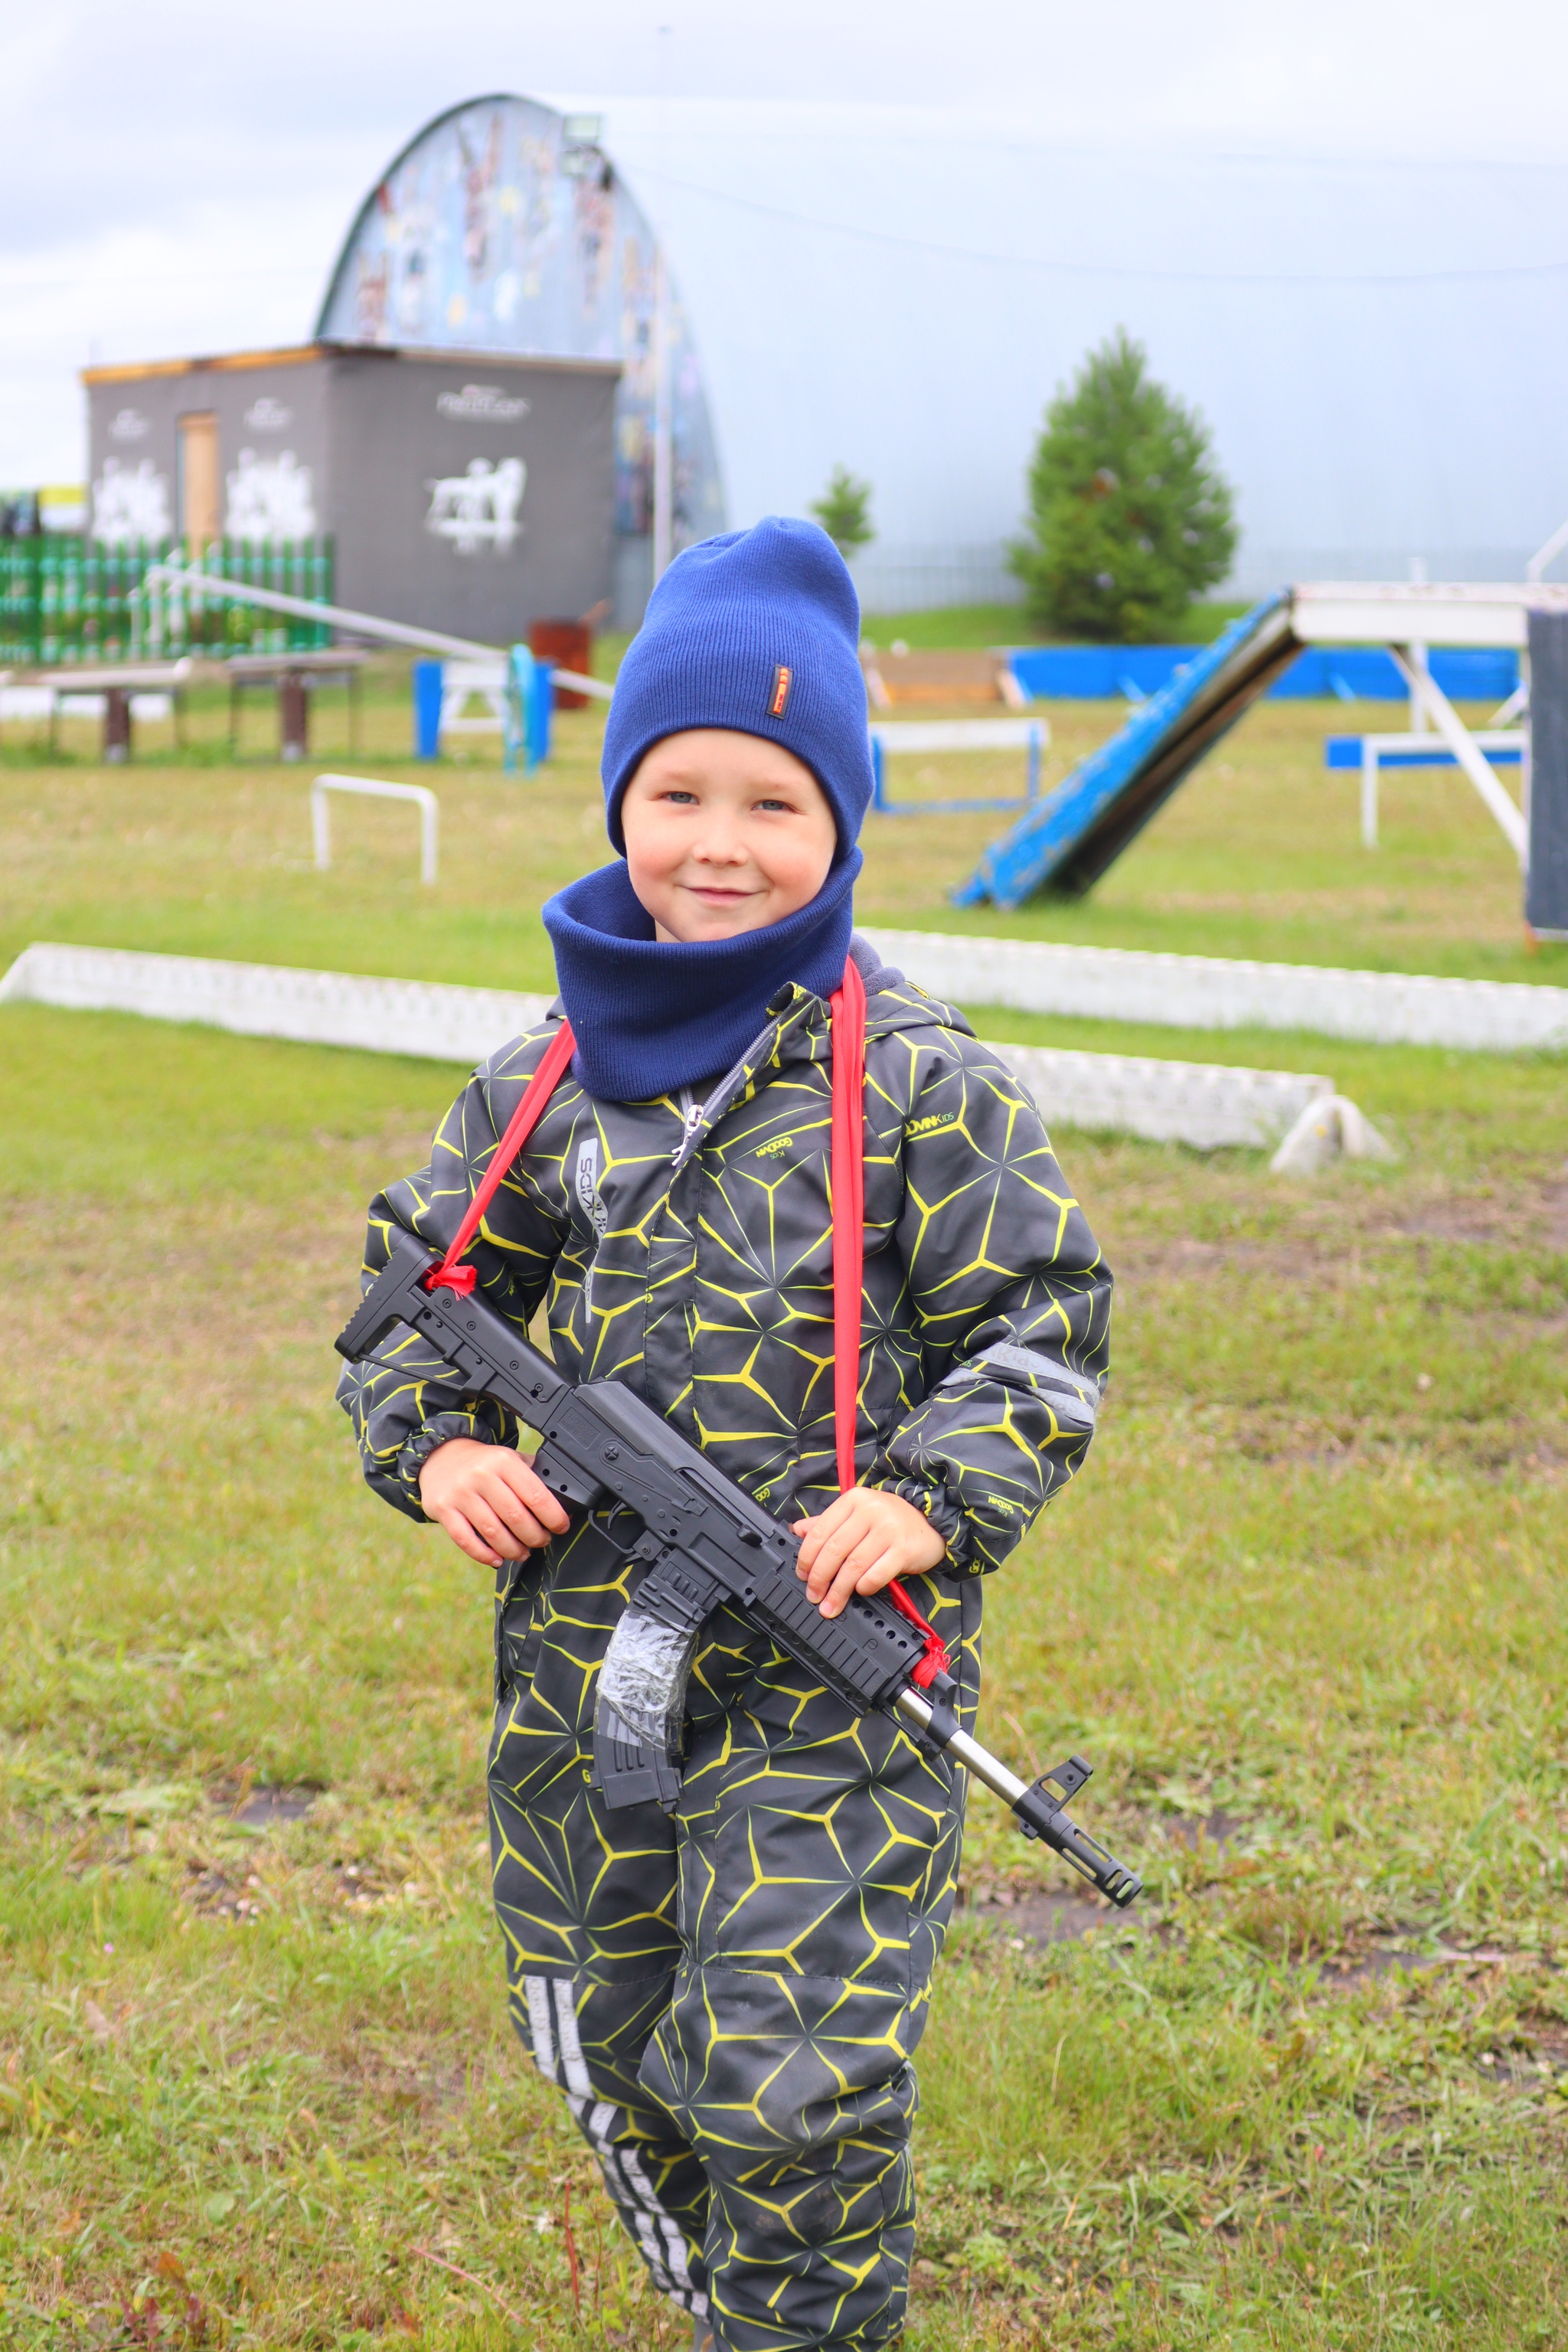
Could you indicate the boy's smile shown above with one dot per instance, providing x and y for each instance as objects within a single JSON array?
[{"x": 725, "y": 833}]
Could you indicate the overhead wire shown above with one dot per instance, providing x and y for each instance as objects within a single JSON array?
[{"x": 1144, "y": 273}]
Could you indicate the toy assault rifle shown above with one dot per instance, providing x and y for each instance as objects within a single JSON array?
[{"x": 704, "y": 1542}]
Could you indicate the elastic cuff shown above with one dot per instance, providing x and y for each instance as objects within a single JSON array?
[
  {"x": 945, "y": 1515},
  {"x": 418, "y": 1449}
]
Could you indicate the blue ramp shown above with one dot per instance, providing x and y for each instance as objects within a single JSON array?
[{"x": 1066, "y": 842}]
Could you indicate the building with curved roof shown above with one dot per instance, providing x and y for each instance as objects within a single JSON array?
[{"x": 503, "y": 227}]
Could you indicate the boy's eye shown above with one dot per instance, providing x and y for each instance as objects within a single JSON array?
[
  {"x": 675, "y": 793},
  {"x": 787, "y": 806}
]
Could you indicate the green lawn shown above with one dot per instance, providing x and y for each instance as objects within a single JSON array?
[
  {"x": 1303, "y": 1611},
  {"x": 1009, "y": 625}
]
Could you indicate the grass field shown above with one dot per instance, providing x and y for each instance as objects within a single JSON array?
[
  {"x": 945, "y": 627},
  {"x": 1008, "y": 624},
  {"x": 1304, "y": 1611}
]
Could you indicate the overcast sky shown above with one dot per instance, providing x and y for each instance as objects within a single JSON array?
[{"x": 1341, "y": 229}]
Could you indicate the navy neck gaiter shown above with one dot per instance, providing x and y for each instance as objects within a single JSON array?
[{"x": 652, "y": 1017}]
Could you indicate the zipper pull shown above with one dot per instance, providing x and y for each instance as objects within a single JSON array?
[{"x": 693, "y": 1121}]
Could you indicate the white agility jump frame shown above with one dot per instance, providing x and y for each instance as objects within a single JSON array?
[
  {"x": 1396, "y": 750},
  {"x": 461, "y": 682},
  {"x": 1408, "y": 617},
  {"x": 888, "y": 736},
  {"x": 1466, "y": 750},
  {"x": 371, "y": 789}
]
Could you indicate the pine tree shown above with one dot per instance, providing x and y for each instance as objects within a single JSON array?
[
  {"x": 1130, "y": 519},
  {"x": 844, "y": 510}
]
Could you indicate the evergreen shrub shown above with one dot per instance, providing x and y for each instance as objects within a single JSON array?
[{"x": 1130, "y": 520}]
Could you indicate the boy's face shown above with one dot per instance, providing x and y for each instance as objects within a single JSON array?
[{"x": 724, "y": 833}]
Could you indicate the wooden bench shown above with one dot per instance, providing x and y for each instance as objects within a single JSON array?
[
  {"x": 294, "y": 675},
  {"x": 985, "y": 675},
  {"x": 108, "y": 693}
]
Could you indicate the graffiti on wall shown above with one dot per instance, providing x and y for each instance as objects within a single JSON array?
[
  {"x": 478, "y": 509},
  {"x": 131, "y": 502},
  {"x": 269, "y": 497}
]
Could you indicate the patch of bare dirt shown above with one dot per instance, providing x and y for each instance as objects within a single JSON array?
[
  {"x": 1179, "y": 1257},
  {"x": 267, "y": 1808},
  {"x": 1555, "y": 1216},
  {"x": 1042, "y": 1916},
  {"x": 1217, "y": 1828},
  {"x": 218, "y": 1894},
  {"x": 1532, "y": 1217}
]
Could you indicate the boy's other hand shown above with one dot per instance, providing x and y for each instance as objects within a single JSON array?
[
  {"x": 863, "y": 1541},
  {"x": 489, "y": 1501}
]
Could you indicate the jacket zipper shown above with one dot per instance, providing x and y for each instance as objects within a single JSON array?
[{"x": 690, "y": 1120}]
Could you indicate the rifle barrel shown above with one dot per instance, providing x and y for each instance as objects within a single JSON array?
[{"x": 917, "y": 1712}]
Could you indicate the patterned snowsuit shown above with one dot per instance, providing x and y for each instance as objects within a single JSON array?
[{"x": 731, "y": 1998}]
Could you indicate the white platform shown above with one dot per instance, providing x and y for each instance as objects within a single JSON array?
[
  {"x": 1421, "y": 612},
  {"x": 1176, "y": 991},
  {"x": 1195, "y": 1102}
]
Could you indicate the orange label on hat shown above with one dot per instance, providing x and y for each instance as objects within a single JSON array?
[{"x": 782, "y": 677}]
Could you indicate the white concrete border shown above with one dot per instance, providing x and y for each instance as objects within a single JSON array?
[
  {"x": 1202, "y": 1104},
  {"x": 265, "y": 1000},
  {"x": 1174, "y": 992},
  {"x": 1199, "y": 1103}
]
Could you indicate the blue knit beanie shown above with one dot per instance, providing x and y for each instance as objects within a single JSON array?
[{"x": 759, "y": 631}]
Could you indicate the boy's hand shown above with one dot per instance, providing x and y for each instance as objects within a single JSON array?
[
  {"x": 861, "y": 1542},
  {"x": 489, "y": 1500}
]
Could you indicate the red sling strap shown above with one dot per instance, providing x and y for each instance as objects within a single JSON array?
[
  {"x": 449, "y": 1275},
  {"x": 847, "y": 1177},
  {"x": 848, "y": 1181}
]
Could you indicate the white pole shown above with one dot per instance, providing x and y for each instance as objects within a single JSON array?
[
  {"x": 365, "y": 625},
  {"x": 320, "y": 824},
  {"x": 1420, "y": 657},
  {"x": 663, "y": 452},
  {"x": 1368, "y": 793},
  {"x": 1457, "y": 737},
  {"x": 1535, "y": 569}
]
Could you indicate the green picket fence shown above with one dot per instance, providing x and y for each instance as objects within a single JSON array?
[{"x": 70, "y": 600}]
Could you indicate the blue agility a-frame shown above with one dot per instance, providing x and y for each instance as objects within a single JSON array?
[{"x": 1066, "y": 842}]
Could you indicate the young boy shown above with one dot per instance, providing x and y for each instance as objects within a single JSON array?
[{"x": 731, "y": 1998}]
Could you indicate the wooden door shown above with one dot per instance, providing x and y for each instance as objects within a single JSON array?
[{"x": 200, "y": 516}]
